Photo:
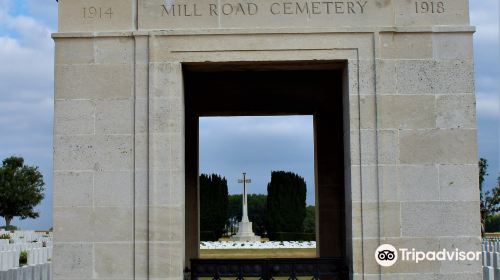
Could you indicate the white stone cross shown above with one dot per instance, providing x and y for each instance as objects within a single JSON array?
[{"x": 244, "y": 181}]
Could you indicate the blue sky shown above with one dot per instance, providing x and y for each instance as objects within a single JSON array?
[{"x": 26, "y": 106}]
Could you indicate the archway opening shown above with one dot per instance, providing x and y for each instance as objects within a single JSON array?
[{"x": 276, "y": 89}]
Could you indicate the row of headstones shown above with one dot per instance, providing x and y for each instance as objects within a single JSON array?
[
  {"x": 10, "y": 259},
  {"x": 27, "y": 236},
  {"x": 38, "y": 272},
  {"x": 24, "y": 246},
  {"x": 491, "y": 259}
]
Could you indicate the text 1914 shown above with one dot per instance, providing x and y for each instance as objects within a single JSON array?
[{"x": 97, "y": 13}]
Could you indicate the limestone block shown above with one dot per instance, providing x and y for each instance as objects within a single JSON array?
[
  {"x": 141, "y": 50},
  {"x": 459, "y": 182},
  {"x": 114, "y": 50},
  {"x": 141, "y": 152},
  {"x": 264, "y": 48},
  {"x": 453, "y": 146},
  {"x": 456, "y": 111},
  {"x": 386, "y": 76},
  {"x": 166, "y": 117},
  {"x": 73, "y": 188},
  {"x": 472, "y": 244},
  {"x": 95, "y": 15},
  {"x": 369, "y": 186},
  {"x": 114, "y": 153},
  {"x": 439, "y": 218},
  {"x": 167, "y": 154},
  {"x": 424, "y": 13},
  {"x": 75, "y": 152},
  {"x": 368, "y": 146},
  {"x": 114, "y": 188},
  {"x": 74, "y": 117},
  {"x": 387, "y": 146},
  {"x": 113, "y": 224},
  {"x": 418, "y": 182},
  {"x": 167, "y": 225},
  {"x": 94, "y": 81},
  {"x": 384, "y": 216},
  {"x": 114, "y": 117},
  {"x": 72, "y": 261},
  {"x": 141, "y": 226},
  {"x": 141, "y": 116},
  {"x": 435, "y": 77},
  {"x": 73, "y": 224},
  {"x": 141, "y": 260},
  {"x": 406, "y": 45},
  {"x": 405, "y": 111},
  {"x": 366, "y": 114},
  {"x": 114, "y": 261},
  {"x": 165, "y": 81},
  {"x": 74, "y": 51},
  {"x": 166, "y": 260},
  {"x": 141, "y": 80},
  {"x": 355, "y": 182},
  {"x": 389, "y": 177},
  {"x": 167, "y": 188},
  {"x": 452, "y": 46}
]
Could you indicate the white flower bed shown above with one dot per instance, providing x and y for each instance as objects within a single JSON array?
[{"x": 257, "y": 245}]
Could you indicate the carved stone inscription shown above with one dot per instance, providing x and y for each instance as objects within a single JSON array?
[
  {"x": 271, "y": 8},
  {"x": 94, "y": 15}
]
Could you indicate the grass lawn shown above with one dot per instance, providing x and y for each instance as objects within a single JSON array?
[{"x": 256, "y": 253}]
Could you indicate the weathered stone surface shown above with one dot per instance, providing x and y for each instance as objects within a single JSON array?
[
  {"x": 73, "y": 261},
  {"x": 113, "y": 189},
  {"x": 456, "y": 111},
  {"x": 459, "y": 182},
  {"x": 454, "y": 146},
  {"x": 107, "y": 265},
  {"x": 418, "y": 183},
  {"x": 74, "y": 117},
  {"x": 73, "y": 189},
  {"x": 406, "y": 111},
  {"x": 94, "y": 81},
  {"x": 95, "y": 15},
  {"x": 439, "y": 218},
  {"x": 114, "y": 117}
]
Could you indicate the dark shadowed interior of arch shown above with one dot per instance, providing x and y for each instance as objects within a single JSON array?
[{"x": 298, "y": 90}]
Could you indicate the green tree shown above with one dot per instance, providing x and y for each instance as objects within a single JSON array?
[
  {"x": 286, "y": 203},
  {"x": 490, "y": 200},
  {"x": 21, "y": 189},
  {"x": 213, "y": 204},
  {"x": 310, "y": 219}
]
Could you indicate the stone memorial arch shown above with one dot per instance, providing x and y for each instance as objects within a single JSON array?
[{"x": 390, "y": 84}]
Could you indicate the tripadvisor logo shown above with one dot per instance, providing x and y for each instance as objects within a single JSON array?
[{"x": 387, "y": 255}]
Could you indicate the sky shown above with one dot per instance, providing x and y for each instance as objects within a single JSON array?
[{"x": 26, "y": 106}]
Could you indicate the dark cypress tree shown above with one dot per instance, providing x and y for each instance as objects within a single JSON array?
[
  {"x": 213, "y": 204},
  {"x": 286, "y": 203}
]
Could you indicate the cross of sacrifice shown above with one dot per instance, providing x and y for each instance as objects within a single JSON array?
[{"x": 244, "y": 181}]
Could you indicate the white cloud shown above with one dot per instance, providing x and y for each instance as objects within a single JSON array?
[{"x": 488, "y": 105}]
